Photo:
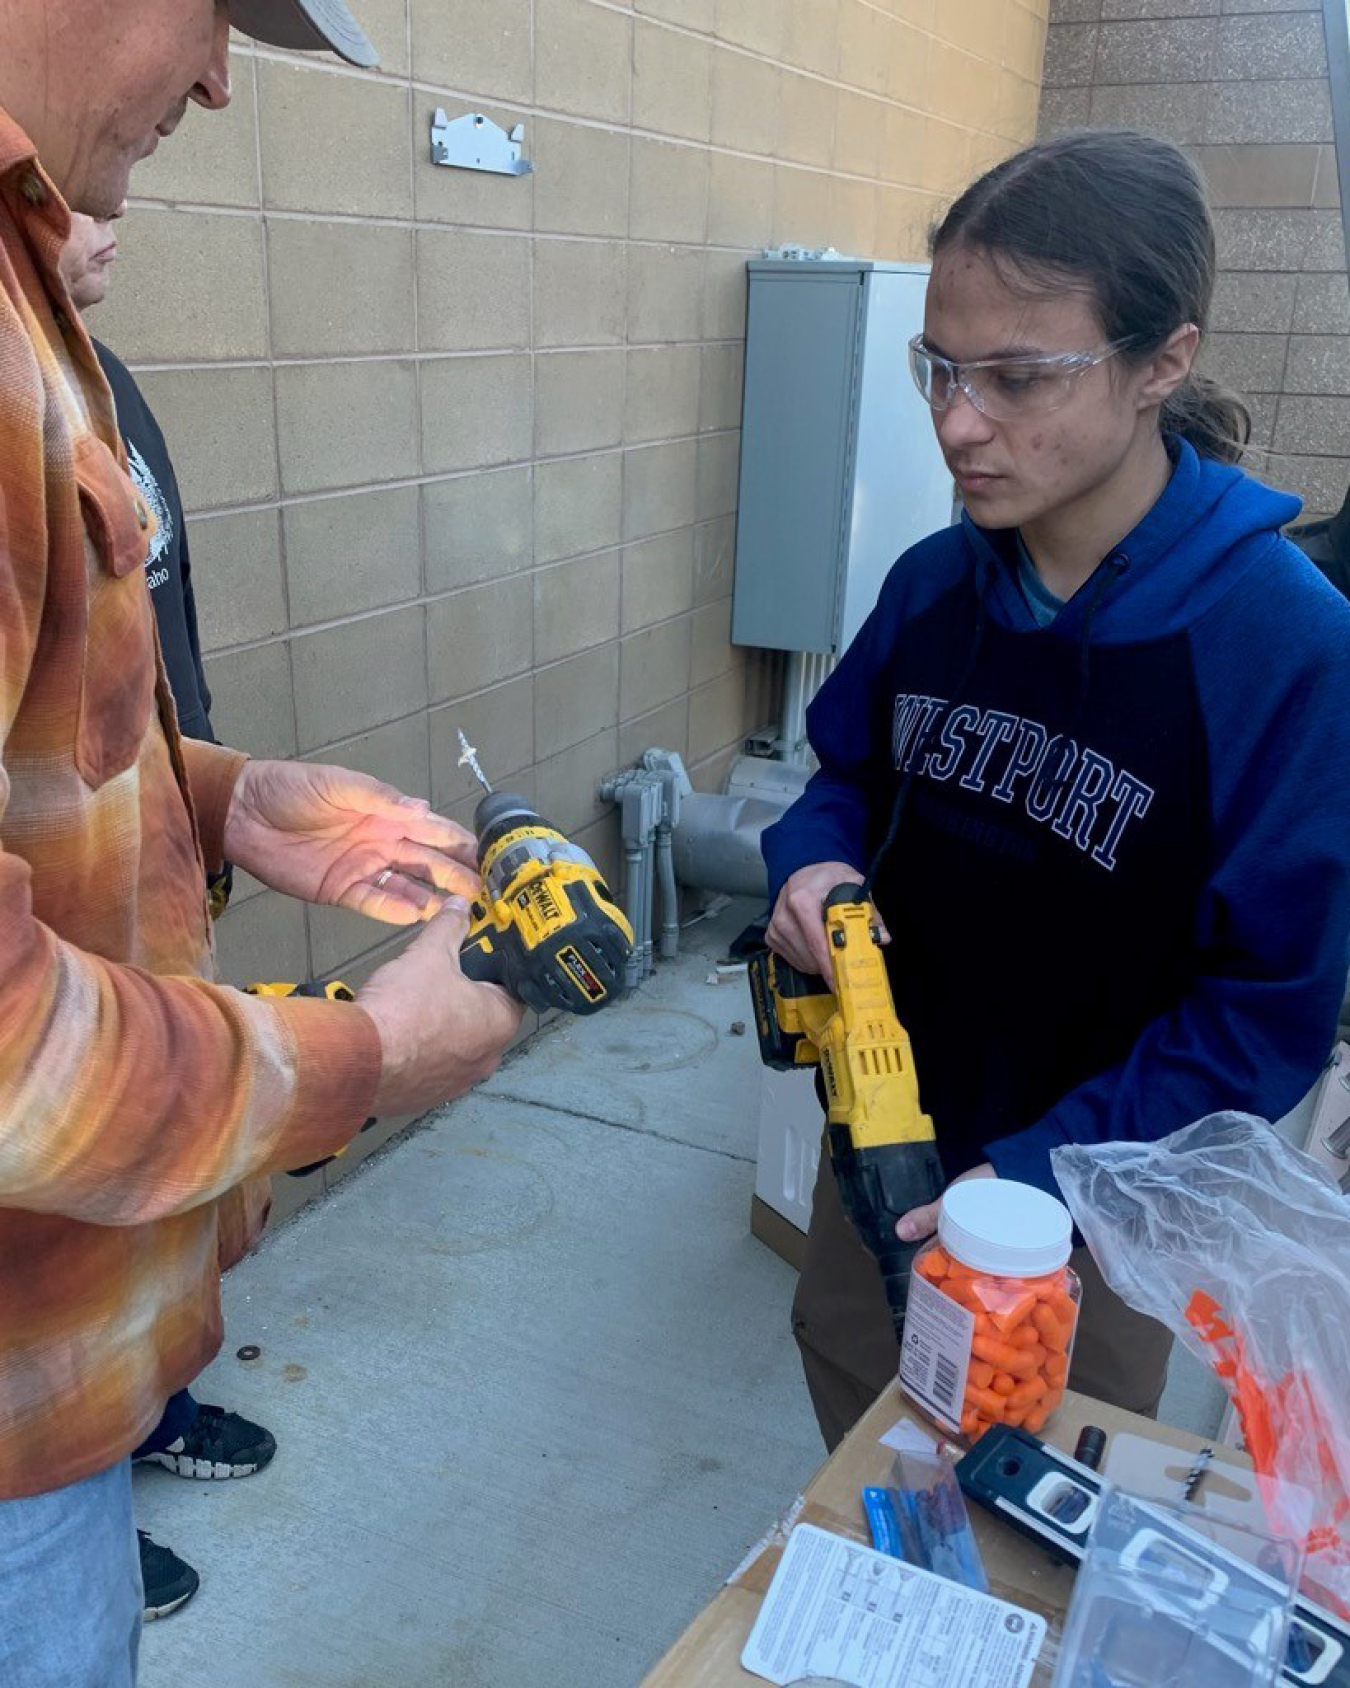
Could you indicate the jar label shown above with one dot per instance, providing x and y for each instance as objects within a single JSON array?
[{"x": 935, "y": 1353}]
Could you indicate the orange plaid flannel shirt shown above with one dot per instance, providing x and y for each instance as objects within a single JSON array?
[{"x": 138, "y": 1101}]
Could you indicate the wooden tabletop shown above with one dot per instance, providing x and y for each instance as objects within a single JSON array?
[{"x": 708, "y": 1654}]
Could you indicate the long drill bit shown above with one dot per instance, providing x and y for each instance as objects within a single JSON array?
[{"x": 469, "y": 759}]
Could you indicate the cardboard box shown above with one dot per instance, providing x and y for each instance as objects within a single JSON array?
[{"x": 708, "y": 1654}]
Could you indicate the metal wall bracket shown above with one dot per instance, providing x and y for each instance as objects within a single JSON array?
[{"x": 475, "y": 142}]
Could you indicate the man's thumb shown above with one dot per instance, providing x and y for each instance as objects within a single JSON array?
[{"x": 448, "y": 928}]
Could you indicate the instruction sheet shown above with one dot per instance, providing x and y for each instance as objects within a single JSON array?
[{"x": 837, "y": 1609}]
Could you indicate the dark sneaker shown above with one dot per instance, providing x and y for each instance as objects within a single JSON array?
[
  {"x": 219, "y": 1444},
  {"x": 170, "y": 1582}
]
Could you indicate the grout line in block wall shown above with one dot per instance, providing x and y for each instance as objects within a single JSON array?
[{"x": 426, "y": 600}]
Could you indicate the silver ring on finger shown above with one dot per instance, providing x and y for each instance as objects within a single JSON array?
[{"x": 383, "y": 877}]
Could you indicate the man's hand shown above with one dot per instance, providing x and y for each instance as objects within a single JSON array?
[
  {"x": 329, "y": 835},
  {"x": 439, "y": 1032},
  {"x": 921, "y": 1222},
  {"x": 797, "y": 929}
]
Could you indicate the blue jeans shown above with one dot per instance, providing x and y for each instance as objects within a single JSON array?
[{"x": 70, "y": 1586}]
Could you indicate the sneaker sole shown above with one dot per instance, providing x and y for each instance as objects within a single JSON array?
[
  {"x": 151, "y": 1613},
  {"x": 183, "y": 1465}
]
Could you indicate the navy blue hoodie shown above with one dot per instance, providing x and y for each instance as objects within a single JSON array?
[{"x": 1119, "y": 894}]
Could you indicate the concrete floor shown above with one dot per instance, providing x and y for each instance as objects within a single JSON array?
[{"x": 530, "y": 1375}]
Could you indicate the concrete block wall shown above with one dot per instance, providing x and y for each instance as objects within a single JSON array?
[
  {"x": 1243, "y": 85},
  {"x": 460, "y": 450}
]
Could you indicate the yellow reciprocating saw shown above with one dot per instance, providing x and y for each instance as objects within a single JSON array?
[{"x": 881, "y": 1143}]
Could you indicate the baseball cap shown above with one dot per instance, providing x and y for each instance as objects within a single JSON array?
[{"x": 307, "y": 25}]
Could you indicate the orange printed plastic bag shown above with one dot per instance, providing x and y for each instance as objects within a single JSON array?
[{"x": 1240, "y": 1244}]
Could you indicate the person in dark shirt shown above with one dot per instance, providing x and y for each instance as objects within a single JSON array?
[{"x": 192, "y": 1439}]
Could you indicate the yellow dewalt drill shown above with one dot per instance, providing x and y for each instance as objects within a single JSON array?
[
  {"x": 881, "y": 1144},
  {"x": 545, "y": 926}
]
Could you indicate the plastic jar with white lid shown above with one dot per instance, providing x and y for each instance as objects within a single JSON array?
[{"x": 993, "y": 1309}]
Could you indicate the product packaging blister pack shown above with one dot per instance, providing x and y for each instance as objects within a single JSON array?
[{"x": 1240, "y": 1244}]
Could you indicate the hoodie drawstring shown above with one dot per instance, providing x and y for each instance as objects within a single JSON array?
[
  {"x": 1050, "y": 783},
  {"x": 926, "y": 741}
]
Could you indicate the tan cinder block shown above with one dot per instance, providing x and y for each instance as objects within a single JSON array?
[
  {"x": 720, "y": 387},
  {"x": 583, "y": 59},
  {"x": 359, "y": 674},
  {"x": 689, "y": 14},
  {"x": 669, "y": 192},
  {"x": 666, "y": 728},
  {"x": 658, "y": 579},
  {"x": 498, "y": 723},
  {"x": 212, "y": 157},
  {"x": 578, "y": 505},
  {"x": 338, "y": 937},
  {"x": 665, "y": 293},
  {"x": 806, "y": 120},
  {"x": 711, "y": 651},
  {"x": 740, "y": 201},
  {"x": 578, "y": 401},
  {"x": 473, "y": 291},
  {"x": 350, "y": 554},
  {"x": 947, "y": 152},
  {"x": 576, "y": 606},
  {"x": 908, "y": 67},
  {"x": 262, "y": 938},
  {"x": 654, "y": 667},
  {"x": 745, "y": 94},
  {"x": 567, "y": 786},
  {"x": 811, "y": 40},
  {"x": 396, "y": 753},
  {"x": 801, "y": 214},
  {"x": 672, "y": 76},
  {"x": 904, "y": 143},
  {"x": 860, "y": 124},
  {"x": 346, "y": 424},
  {"x": 301, "y": 109},
  {"x": 714, "y": 559},
  {"x": 474, "y": 198},
  {"x": 853, "y": 217},
  {"x": 479, "y": 45},
  {"x": 582, "y": 176},
  {"x": 236, "y": 577},
  {"x": 719, "y": 457},
  {"x": 579, "y": 293},
  {"x": 659, "y": 491},
  {"x": 663, "y": 390},
  {"x": 575, "y": 699},
  {"x": 904, "y": 219},
  {"x": 339, "y": 288},
  {"x": 476, "y": 411},
  {"x": 716, "y": 714},
  {"x": 978, "y": 26},
  {"x": 251, "y": 706},
  {"x": 480, "y": 636},
  {"x": 760, "y": 25},
  {"x": 218, "y": 423},
  {"x": 866, "y": 42},
  {"x": 724, "y": 291},
  {"x": 188, "y": 287},
  {"x": 477, "y": 527},
  {"x": 1024, "y": 41}
]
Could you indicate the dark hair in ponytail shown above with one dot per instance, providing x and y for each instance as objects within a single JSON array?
[{"x": 1122, "y": 216}]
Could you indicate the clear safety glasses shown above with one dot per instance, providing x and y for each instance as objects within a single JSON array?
[{"x": 1003, "y": 389}]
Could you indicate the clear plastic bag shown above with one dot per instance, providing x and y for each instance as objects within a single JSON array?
[{"x": 1240, "y": 1244}]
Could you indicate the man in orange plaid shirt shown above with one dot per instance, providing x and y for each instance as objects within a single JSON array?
[{"x": 142, "y": 1105}]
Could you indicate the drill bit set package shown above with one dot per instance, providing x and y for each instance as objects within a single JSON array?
[
  {"x": 1241, "y": 1245},
  {"x": 993, "y": 1309}
]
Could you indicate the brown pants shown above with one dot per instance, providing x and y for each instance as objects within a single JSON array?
[{"x": 847, "y": 1339}]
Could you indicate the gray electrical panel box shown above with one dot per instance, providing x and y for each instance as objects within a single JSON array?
[{"x": 840, "y": 468}]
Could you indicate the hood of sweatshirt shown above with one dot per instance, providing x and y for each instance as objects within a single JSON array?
[{"x": 1211, "y": 524}]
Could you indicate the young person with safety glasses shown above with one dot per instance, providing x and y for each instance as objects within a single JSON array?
[{"x": 1105, "y": 718}]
